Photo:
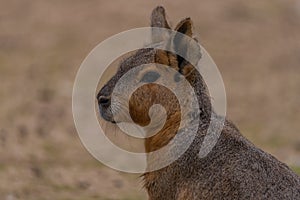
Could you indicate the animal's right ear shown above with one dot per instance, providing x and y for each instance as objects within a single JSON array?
[
  {"x": 186, "y": 46},
  {"x": 158, "y": 20}
]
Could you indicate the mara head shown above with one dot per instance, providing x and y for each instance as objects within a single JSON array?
[{"x": 148, "y": 67}]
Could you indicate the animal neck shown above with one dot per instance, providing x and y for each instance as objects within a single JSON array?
[{"x": 165, "y": 135}]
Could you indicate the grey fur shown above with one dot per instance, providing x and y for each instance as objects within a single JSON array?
[{"x": 234, "y": 169}]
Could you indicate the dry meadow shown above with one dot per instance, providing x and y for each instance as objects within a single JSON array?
[{"x": 256, "y": 45}]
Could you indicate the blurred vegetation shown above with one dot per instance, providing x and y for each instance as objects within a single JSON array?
[{"x": 42, "y": 44}]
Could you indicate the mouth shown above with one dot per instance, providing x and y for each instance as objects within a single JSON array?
[
  {"x": 108, "y": 119},
  {"x": 106, "y": 115}
]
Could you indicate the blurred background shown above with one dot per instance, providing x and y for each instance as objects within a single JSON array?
[{"x": 256, "y": 45}]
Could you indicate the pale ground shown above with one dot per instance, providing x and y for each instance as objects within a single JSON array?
[{"x": 42, "y": 44}]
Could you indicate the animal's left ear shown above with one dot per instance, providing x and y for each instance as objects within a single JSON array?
[
  {"x": 185, "y": 45},
  {"x": 159, "y": 20}
]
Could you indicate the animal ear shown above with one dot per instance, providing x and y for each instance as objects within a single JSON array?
[
  {"x": 185, "y": 26},
  {"x": 185, "y": 45},
  {"x": 158, "y": 20}
]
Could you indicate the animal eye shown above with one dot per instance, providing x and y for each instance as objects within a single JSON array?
[
  {"x": 150, "y": 77},
  {"x": 177, "y": 77}
]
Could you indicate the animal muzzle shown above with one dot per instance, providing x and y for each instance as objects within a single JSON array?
[{"x": 104, "y": 104}]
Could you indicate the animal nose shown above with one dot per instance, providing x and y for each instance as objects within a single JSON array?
[{"x": 103, "y": 100}]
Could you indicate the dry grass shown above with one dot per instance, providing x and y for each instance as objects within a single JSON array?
[{"x": 42, "y": 44}]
